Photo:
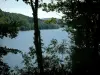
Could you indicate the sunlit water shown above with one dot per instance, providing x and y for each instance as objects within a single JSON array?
[{"x": 24, "y": 40}]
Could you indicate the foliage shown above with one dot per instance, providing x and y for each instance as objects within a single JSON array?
[
  {"x": 8, "y": 25},
  {"x": 34, "y": 4},
  {"x": 4, "y": 68},
  {"x": 51, "y": 21},
  {"x": 82, "y": 16},
  {"x": 21, "y": 22},
  {"x": 8, "y": 28},
  {"x": 56, "y": 54},
  {"x": 37, "y": 39},
  {"x": 51, "y": 59}
]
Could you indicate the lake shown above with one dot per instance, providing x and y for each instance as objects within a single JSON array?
[{"x": 24, "y": 40}]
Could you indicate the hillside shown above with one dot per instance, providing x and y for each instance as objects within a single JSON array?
[{"x": 25, "y": 22}]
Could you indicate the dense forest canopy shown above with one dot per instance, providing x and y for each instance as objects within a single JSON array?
[{"x": 26, "y": 22}]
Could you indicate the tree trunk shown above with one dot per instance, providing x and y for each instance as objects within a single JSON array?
[
  {"x": 96, "y": 47},
  {"x": 37, "y": 37}
]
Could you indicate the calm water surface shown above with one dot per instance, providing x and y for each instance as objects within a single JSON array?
[{"x": 24, "y": 40}]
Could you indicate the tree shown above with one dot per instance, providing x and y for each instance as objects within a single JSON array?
[
  {"x": 8, "y": 28},
  {"x": 8, "y": 25},
  {"x": 51, "y": 60},
  {"x": 84, "y": 17},
  {"x": 37, "y": 38},
  {"x": 25, "y": 22},
  {"x": 51, "y": 21}
]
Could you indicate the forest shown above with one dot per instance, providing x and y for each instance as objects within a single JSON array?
[
  {"x": 82, "y": 18},
  {"x": 26, "y": 22}
]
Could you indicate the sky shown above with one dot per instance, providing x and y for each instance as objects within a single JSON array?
[{"x": 22, "y": 8}]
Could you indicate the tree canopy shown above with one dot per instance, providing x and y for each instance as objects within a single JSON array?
[
  {"x": 23, "y": 22},
  {"x": 8, "y": 28},
  {"x": 83, "y": 17}
]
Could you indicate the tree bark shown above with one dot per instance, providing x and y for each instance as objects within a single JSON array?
[{"x": 37, "y": 37}]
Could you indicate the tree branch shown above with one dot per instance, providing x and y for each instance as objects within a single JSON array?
[{"x": 32, "y": 6}]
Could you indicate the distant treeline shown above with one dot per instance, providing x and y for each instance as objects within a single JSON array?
[{"x": 26, "y": 22}]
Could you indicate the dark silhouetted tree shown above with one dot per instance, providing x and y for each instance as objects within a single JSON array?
[
  {"x": 84, "y": 17},
  {"x": 37, "y": 38},
  {"x": 8, "y": 28}
]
